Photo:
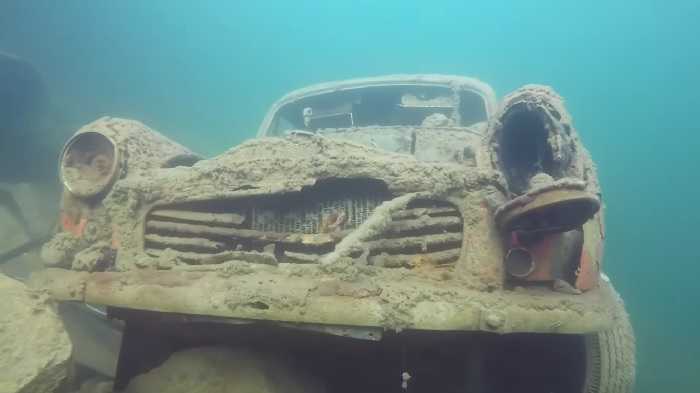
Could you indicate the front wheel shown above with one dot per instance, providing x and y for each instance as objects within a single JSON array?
[{"x": 610, "y": 358}]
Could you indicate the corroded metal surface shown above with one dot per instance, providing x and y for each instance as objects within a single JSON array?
[
  {"x": 327, "y": 229},
  {"x": 308, "y": 294},
  {"x": 139, "y": 147},
  {"x": 580, "y": 206}
]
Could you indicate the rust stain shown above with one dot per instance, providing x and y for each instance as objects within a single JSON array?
[
  {"x": 73, "y": 225},
  {"x": 116, "y": 241},
  {"x": 542, "y": 254},
  {"x": 587, "y": 274}
]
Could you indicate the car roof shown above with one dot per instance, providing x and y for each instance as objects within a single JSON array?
[{"x": 455, "y": 82}]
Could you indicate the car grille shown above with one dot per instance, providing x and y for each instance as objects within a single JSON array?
[
  {"x": 302, "y": 227},
  {"x": 425, "y": 233}
]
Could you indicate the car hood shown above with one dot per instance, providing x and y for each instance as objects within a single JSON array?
[{"x": 279, "y": 165}]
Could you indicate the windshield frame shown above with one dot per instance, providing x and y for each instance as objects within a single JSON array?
[{"x": 457, "y": 84}]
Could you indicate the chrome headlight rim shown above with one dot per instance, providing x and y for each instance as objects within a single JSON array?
[{"x": 88, "y": 173}]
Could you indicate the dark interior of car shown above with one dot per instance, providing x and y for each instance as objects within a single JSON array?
[{"x": 380, "y": 106}]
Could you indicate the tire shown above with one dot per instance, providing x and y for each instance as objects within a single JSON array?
[{"x": 610, "y": 358}]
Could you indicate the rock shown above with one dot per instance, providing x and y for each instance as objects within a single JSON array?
[
  {"x": 34, "y": 347},
  {"x": 96, "y": 386},
  {"x": 224, "y": 370},
  {"x": 37, "y": 204},
  {"x": 60, "y": 250}
]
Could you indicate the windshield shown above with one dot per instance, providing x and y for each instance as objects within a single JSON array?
[{"x": 398, "y": 105}]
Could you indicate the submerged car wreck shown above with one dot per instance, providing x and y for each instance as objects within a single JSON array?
[{"x": 407, "y": 228}]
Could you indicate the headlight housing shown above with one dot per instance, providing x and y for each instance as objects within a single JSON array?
[{"x": 89, "y": 164}]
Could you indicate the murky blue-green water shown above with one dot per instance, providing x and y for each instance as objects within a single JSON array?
[{"x": 204, "y": 73}]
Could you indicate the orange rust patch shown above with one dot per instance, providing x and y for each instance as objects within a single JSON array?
[
  {"x": 116, "y": 241},
  {"x": 74, "y": 226},
  {"x": 542, "y": 254},
  {"x": 587, "y": 275}
]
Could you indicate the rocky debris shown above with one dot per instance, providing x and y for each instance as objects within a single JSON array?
[
  {"x": 60, "y": 250},
  {"x": 19, "y": 248},
  {"x": 34, "y": 347},
  {"x": 223, "y": 370},
  {"x": 96, "y": 386},
  {"x": 97, "y": 257}
]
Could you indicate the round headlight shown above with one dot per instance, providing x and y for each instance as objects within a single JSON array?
[{"x": 89, "y": 164}]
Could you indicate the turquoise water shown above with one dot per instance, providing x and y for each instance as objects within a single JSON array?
[{"x": 205, "y": 73}]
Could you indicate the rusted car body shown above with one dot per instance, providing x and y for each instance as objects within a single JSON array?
[{"x": 372, "y": 210}]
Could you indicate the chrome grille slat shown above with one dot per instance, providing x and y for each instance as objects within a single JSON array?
[
  {"x": 423, "y": 211},
  {"x": 212, "y": 259},
  {"x": 200, "y": 217},
  {"x": 424, "y": 224},
  {"x": 423, "y": 243},
  {"x": 301, "y": 257},
  {"x": 187, "y": 243},
  {"x": 185, "y": 255},
  {"x": 187, "y": 230},
  {"x": 413, "y": 260}
]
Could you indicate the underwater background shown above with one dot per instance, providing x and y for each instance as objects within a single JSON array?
[{"x": 204, "y": 74}]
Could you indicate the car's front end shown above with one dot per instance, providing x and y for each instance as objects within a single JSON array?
[{"x": 403, "y": 209}]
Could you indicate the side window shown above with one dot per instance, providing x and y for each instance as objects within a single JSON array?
[
  {"x": 287, "y": 118},
  {"x": 281, "y": 125},
  {"x": 472, "y": 108}
]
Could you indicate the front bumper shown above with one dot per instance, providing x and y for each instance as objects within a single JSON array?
[{"x": 363, "y": 298}]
